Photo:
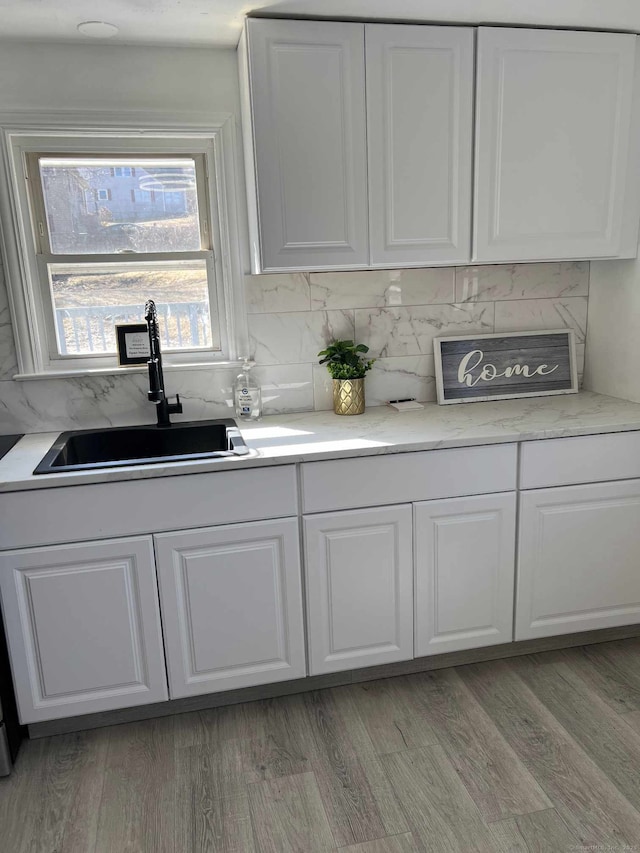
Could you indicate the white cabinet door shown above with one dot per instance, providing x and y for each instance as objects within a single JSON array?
[
  {"x": 555, "y": 159},
  {"x": 83, "y": 627},
  {"x": 231, "y": 606},
  {"x": 419, "y": 136},
  {"x": 465, "y": 555},
  {"x": 359, "y": 588},
  {"x": 307, "y": 108},
  {"x": 578, "y": 559}
]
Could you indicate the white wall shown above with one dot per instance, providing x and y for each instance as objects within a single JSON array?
[
  {"x": 111, "y": 77},
  {"x": 613, "y": 349}
]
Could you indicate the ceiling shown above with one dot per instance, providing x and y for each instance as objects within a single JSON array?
[{"x": 218, "y": 22}]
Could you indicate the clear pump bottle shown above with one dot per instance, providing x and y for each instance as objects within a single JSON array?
[{"x": 248, "y": 396}]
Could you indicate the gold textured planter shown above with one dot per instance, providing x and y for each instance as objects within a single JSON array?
[{"x": 348, "y": 396}]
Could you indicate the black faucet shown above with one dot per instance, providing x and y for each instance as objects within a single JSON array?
[{"x": 156, "y": 377}]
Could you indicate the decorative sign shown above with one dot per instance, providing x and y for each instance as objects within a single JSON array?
[
  {"x": 133, "y": 343},
  {"x": 498, "y": 367}
]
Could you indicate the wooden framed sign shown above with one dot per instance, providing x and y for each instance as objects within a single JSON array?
[{"x": 474, "y": 368}]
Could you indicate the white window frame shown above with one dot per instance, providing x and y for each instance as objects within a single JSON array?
[{"x": 29, "y": 301}]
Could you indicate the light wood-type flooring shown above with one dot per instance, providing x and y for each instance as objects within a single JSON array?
[{"x": 536, "y": 753}]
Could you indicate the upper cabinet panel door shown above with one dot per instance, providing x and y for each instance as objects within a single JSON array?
[
  {"x": 309, "y": 142},
  {"x": 554, "y": 129},
  {"x": 419, "y": 131}
]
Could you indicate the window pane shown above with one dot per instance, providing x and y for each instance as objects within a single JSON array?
[
  {"x": 100, "y": 205},
  {"x": 88, "y": 300}
]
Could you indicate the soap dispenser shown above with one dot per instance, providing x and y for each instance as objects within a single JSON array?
[{"x": 248, "y": 396}]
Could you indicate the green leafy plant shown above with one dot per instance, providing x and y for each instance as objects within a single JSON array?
[{"x": 344, "y": 360}]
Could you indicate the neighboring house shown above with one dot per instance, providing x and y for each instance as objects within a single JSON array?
[{"x": 93, "y": 198}]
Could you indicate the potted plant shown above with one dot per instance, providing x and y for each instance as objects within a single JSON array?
[{"x": 347, "y": 368}]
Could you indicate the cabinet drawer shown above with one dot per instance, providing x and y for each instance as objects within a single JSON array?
[
  {"x": 103, "y": 510},
  {"x": 407, "y": 477},
  {"x": 586, "y": 459}
]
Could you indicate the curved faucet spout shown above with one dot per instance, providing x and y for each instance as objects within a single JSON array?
[{"x": 156, "y": 377}]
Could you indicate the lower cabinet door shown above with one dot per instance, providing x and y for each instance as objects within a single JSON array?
[
  {"x": 359, "y": 588},
  {"x": 578, "y": 559},
  {"x": 231, "y": 606},
  {"x": 83, "y": 627},
  {"x": 465, "y": 555}
]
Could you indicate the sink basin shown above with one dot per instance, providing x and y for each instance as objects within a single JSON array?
[{"x": 84, "y": 450}]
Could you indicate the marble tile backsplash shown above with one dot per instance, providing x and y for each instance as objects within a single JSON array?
[{"x": 397, "y": 313}]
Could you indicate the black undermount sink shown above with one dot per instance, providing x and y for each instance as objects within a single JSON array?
[{"x": 88, "y": 449}]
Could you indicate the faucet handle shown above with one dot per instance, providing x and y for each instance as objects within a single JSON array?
[{"x": 175, "y": 408}]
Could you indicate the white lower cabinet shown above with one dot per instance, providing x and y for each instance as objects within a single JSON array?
[
  {"x": 83, "y": 627},
  {"x": 231, "y": 605},
  {"x": 465, "y": 551},
  {"x": 578, "y": 559},
  {"x": 359, "y": 588}
]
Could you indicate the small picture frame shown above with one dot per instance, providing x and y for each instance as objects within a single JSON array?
[{"x": 133, "y": 344}]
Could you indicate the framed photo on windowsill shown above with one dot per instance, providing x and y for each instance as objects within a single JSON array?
[{"x": 133, "y": 344}]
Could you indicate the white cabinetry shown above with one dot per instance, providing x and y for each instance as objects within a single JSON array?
[
  {"x": 83, "y": 627},
  {"x": 555, "y": 166},
  {"x": 578, "y": 559},
  {"x": 465, "y": 552},
  {"x": 304, "y": 103},
  {"x": 231, "y": 606},
  {"x": 359, "y": 588},
  {"x": 419, "y": 136},
  {"x": 307, "y": 128}
]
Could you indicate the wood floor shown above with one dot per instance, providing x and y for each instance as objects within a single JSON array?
[{"x": 538, "y": 753}]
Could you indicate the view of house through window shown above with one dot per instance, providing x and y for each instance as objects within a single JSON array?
[{"x": 115, "y": 232}]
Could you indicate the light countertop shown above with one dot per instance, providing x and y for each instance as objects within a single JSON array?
[{"x": 311, "y": 436}]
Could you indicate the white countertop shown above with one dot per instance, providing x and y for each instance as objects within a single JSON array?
[{"x": 310, "y": 436}]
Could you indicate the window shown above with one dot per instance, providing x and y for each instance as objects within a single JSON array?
[{"x": 99, "y": 246}]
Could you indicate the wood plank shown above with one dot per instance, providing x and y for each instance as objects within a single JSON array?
[
  {"x": 64, "y": 785},
  {"x": 283, "y": 744},
  {"x": 288, "y": 816},
  {"x": 215, "y": 725},
  {"x": 612, "y": 670},
  {"x": 392, "y": 715},
  {"x": 439, "y": 809},
  {"x": 22, "y": 798},
  {"x": 207, "y": 818},
  {"x": 137, "y": 811},
  {"x": 632, "y": 719},
  {"x": 608, "y": 740},
  {"x": 357, "y": 796},
  {"x": 538, "y": 832},
  {"x": 404, "y": 843},
  {"x": 499, "y": 783},
  {"x": 588, "y": 802}
]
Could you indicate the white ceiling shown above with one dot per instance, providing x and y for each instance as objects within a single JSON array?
[{"x": 218, "y": 22}]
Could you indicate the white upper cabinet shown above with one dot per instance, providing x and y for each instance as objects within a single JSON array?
[
  {"x": 419, "y": 133},
  {"x": 306, "y": 108},
  {"x": 555, "y": 167}
]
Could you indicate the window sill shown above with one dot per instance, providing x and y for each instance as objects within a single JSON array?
[{"x": 124, "y": 371}]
